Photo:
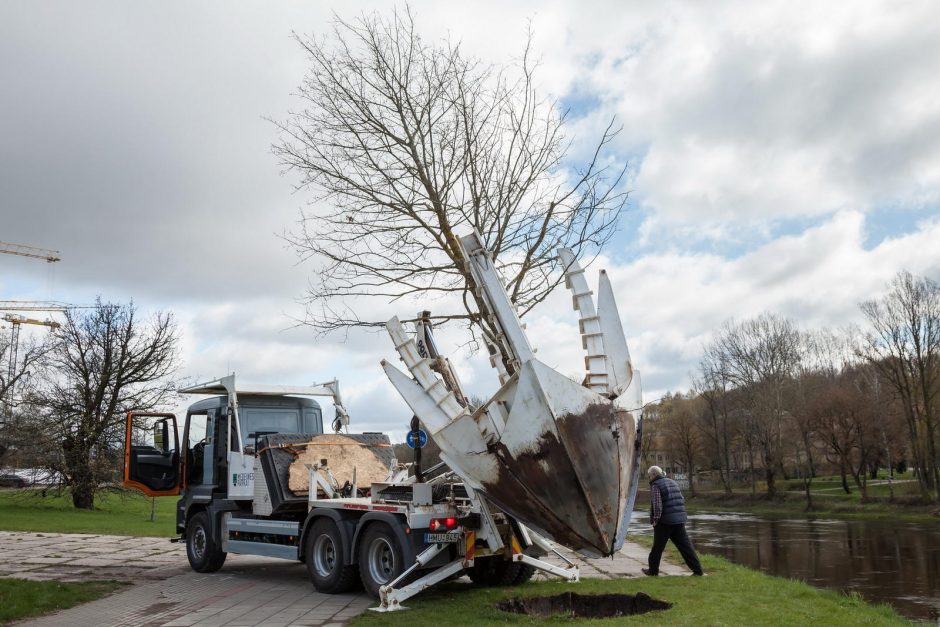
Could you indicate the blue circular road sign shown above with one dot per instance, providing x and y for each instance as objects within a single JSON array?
[{"x": 422, "y": 439}]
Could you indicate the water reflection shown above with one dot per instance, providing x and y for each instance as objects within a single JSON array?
[{"x": 896, "y": 563}]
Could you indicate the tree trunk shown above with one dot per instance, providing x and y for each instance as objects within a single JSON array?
[
  {"x": 932, "y": 461},
  {"x": 862, "y": 485},
  {"x": 78, "y": 469},
  {"x": 83, "y": 497},
  {"x": 727, "y": 465},
  {"x": 769, "y": 474},
  {"x": 750, "y": 455},
  {"x": 811, "y": 464},
  {"x": 842, "y": 473},
  {"x": 917, "y": 455}
]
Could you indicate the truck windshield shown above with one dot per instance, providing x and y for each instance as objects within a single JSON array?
[{"x": 255, "y": 422}]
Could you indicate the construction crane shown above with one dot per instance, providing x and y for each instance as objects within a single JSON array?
[
  {"x": 38, "y": 305},
  {"x": 30, "y": 251},
  {"x": 34, "y": 252},
  {"x": 16, "y": 321}
]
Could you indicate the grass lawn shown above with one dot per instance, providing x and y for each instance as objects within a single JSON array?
[
  {"x": 124, "y": 513},
  {"x": 729, "y": 595},
  {"x": 21, "y": 599}
]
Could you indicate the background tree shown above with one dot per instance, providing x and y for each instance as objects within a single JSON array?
[
  {"x": 717, "y": 426},
  {"x": 759, "y": 357},
  {"x": 104, "y": 362},
  {"x": 812, "y": 405},
  {"x": 803, "y": 425},
  {"x": 680, "y": 427},
  {"x": 903, "y": 343},
  {"x": 408, "y": 143},
  {"x": 22, "y": 380},
  {"x": 653, "y": 436}
]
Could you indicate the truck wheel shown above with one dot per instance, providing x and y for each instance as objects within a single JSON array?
[
  {"x": 526, "y": 571},
  {"x": 381, "y": 559},
  {"x": 483, "y": 572},
  {"x": 202, "y": 550},
  {"x": 495, "y": 571},
  {"x": 326, "y": 556}
]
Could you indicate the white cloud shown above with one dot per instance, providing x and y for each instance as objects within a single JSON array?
[
  {"x": 135, "y": 143},
  {"x": 751, "y": 112}
]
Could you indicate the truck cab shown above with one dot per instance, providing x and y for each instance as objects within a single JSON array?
[
  {"x": 210, "y": 460},
  {"x": 206, "y": 436}
]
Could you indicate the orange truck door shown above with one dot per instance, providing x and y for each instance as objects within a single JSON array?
[{"x": 152, "y": 454}]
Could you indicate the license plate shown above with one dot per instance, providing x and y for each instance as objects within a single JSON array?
[{"x": 442, "y": 538}]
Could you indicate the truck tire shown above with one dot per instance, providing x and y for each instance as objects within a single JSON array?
[
  {"x": 326, "y": 556},
  {"x": 495, "y": 571},
  {"x": 381, "y": 559},
  {"x": 202, "y": 549},
  {"x": 526, "y": 571},
  {"x": 486, "y": 571}
]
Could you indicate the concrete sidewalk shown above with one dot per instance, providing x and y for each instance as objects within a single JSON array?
[{"x": 247, "y": 591}]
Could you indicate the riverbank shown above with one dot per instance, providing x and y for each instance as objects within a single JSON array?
[
  {"x": 791, "y": 505},
  {"x": 730, "y": 594},
  {"x": 885, "y": 561}
]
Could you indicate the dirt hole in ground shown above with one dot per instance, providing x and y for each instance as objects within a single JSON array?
[{"x": 576, "y": 605}]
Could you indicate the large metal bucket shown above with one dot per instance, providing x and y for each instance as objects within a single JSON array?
[
  {"x": 564, "y": 463},
  {"x": 559, "y": 456}
]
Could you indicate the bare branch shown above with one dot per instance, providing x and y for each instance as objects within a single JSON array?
[{"x": 405, "y": 143}]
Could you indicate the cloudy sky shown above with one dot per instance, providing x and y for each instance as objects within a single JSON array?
[{"x": 784, "y": 156}]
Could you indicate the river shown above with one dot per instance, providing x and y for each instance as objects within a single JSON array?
[{"x": 885, "y": 562}]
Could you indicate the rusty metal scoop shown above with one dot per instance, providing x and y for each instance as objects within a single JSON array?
[{"x": 559, "y": 456}]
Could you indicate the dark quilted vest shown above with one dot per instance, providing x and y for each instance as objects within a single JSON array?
[{"x": 673, "y": 501}]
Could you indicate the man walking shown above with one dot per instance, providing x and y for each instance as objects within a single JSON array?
[{"x": 668, "y": 517}]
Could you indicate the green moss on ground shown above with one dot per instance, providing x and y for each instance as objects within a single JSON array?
[
  {"x": 21, "y": 599},
  {"x": 729, "y": 595},
  {"x": 116, "y": 513}
]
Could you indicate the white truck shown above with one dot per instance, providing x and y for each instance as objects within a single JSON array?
[{"x": 544, "y": 458}]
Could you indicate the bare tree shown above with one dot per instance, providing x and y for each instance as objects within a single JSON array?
[
  {"x": 679, "y": 425},
  {"x": 105, "y": 362},
  {"x": 824, "y": 354},
  {"x": 833, "y": 408},
  {"x": 759, "y": 357},
  {"x": 718, "y": 427},
  {"x": 805, "y": 429},
  {"x": 406, "y": 142},
  {"x": 903, "y": 343},
  {"x": 20, "y": 370}
]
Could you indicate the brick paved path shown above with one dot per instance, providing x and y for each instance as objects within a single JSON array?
[{"x": 247, "y": 591}]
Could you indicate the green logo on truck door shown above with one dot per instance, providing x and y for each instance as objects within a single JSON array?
[{"x": 242, "y": 478}]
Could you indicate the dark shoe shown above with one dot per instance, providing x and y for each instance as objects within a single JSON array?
[
  {"x": 698, "y": 574},
  {"x": 648, "y": 572}
]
